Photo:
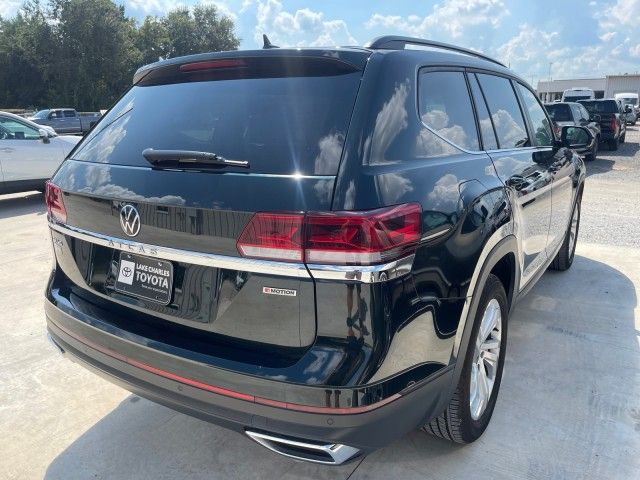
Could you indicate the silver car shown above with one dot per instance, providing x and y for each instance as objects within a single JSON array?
[{"x": 29, "y": 153}]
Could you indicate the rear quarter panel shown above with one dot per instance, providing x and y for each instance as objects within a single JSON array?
[{"x": 387, "y": 161}]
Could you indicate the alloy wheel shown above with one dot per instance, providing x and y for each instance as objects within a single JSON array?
[{"x": 484, "y": 368}]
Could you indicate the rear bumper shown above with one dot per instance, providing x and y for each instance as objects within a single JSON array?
[
  {"x": 605, "y": 136},
  {"x": 162, "y": 378}
]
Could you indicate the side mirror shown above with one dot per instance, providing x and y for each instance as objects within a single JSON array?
[
  {"x": 597, "y": 118},
  {"x": 44, "y": 135},
  {"x": 576, "y": 137},
  {"x": 627, "y": 109}
]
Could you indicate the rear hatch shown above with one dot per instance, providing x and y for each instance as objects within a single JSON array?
[
  {"x": 285, "y": 113},
  {"x": 606, "y": 110}
]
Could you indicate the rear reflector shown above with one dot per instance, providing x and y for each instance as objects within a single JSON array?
[
  {"x": 273, "y": 236},
  {"x": 55, "y": 204},
  {"x": 614, "y": 125},
  {"x": 342, "y": 238}
]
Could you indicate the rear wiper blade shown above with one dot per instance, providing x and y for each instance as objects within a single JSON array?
[{"x": 184, "y": 158}]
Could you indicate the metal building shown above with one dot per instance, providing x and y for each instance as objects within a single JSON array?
[{"x": 605, "y": 87}]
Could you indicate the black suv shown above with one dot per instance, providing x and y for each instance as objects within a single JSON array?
[{"x": 317, "y": 247}]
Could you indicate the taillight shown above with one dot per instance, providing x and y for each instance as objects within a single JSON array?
[
  {"x": 343, "y": 238},
  {"x": 276, "y": 236},
  {"x": 55, "y": 204},
  {"x": 613, "y": 124}
]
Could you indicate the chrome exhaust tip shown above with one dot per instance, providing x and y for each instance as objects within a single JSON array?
[{"x": 325, "y": 453}]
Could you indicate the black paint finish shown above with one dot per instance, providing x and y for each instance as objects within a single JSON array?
[{"x": 337, "y": 342}]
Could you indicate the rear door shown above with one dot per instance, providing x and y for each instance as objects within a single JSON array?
[
  {"x": 287, "y": 116},
  {"x": 523, "y": 166},
  {"x": 71, "y": 121},
  {"x": 560, "y": 167}
]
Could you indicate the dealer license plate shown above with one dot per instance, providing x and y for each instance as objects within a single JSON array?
[{"x": 144, "y": 277}]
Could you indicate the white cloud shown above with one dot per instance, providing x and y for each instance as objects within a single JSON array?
[
  {"x": 622, "y": 13},
  {"x": 246, "y": 4},
  {"x": 635, "y": 51},
  {"x": 8, "y": 8},
  {"x": 304, "y": 27},
  {"x": 153, "y": 6},
  {"x": 164, "y": 6},
  {"x": 531, "y": 45},
  {"x": 451, "y": 16},
  {"x": 531, "y": 51},
  {"x": 605, "y": 37}
]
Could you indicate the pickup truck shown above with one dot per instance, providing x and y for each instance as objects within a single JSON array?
[
  {"x": 574, "y": 114},
  {"x": 610, "y": 115},
  {"x": 66, "y": 120}
]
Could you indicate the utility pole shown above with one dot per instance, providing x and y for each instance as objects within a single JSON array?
[{"x": 550, "y": 63}]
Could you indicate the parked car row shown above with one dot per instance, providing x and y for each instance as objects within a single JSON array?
[
  {"x": 29, "y": 153},
  {"x": 606, "y": 118}
]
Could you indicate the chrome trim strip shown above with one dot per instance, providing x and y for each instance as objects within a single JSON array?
[
  {"x": 363, "y": 273},
  {"x": 432, "y": 236},
  {"x": 338, "y": 452},
  {"x": 177, "y": 255}
]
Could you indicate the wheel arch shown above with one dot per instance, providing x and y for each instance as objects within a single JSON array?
[{"x": 502, "y": 261}]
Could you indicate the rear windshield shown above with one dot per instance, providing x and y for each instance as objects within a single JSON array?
[
  {"x": 629, "y": 101},
  {"x": 575, "y": 98},
  {"x": 559, "y": 113},
  {"x": 280, "y": 124},
  {"x": 595, "y": 107}
]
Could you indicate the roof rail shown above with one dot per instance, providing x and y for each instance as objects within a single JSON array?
[{"x": 396, "y": 42}]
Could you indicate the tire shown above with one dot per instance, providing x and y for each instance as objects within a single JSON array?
[
  {"x": 594, "y": 152},
  {"x": 614, "y": 144},
  {"x": 564, "y": 258},
  {"x": 457, "y": 423}
]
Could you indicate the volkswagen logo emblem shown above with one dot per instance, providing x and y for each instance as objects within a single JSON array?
[{"x": 130, "y": 220}]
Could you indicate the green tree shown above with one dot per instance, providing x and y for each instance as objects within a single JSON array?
[
  {"x": 83, "y": 53},
  {"x": 27, "y": 43},
  {"x": 152, "y": 40},
  {"x": 97, "y": 53},
  {"x": 198, "y": 30}
]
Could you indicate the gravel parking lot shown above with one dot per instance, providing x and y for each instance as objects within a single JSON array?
[{"x": 569, "y": 406}]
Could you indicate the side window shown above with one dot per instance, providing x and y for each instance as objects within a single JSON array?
[
  {"x": 505, "y": 111},
  {"x": 577, "y": 114},
  {"x": 445, "y": 107},
  {"x": 13, "y": 130},
  {"x": 542, "y": 135},
  {"x": 69, "y": 113},
  {"x": 486, "y": 126},
  {"x": 55, "y": 114},
  {"x": 584, "y": 113}
]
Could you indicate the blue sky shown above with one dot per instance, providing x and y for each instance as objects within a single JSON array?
[{"x": 580, "y": 38}]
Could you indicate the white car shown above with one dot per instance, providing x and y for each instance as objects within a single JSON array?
[{"x": 29, "y": 153}]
